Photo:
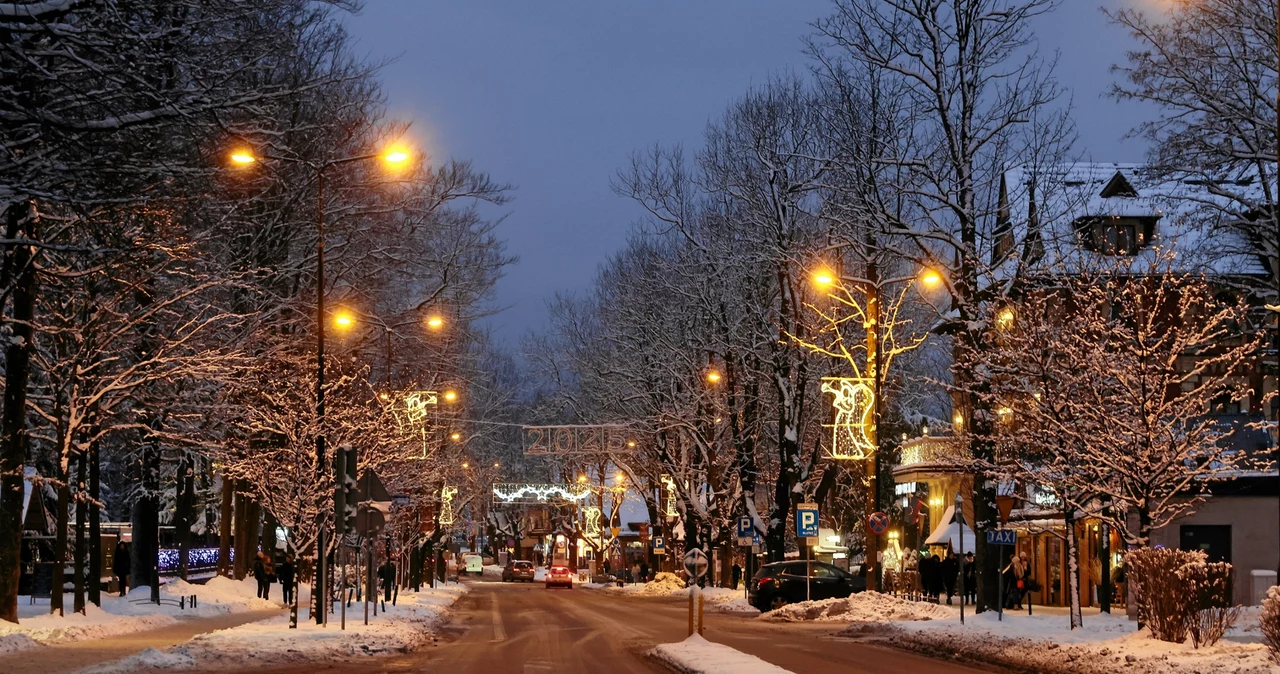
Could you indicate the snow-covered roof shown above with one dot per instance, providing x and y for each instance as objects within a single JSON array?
[{"x": 1190, "y": 220}]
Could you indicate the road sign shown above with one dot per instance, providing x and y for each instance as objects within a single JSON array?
[
  {"x": 745, "y": 526},
  {"x": 659, "y": 543},
  {"x": 1002, "y": 537},
  {"x": 1005, "y": 504},
  {"x": 616, "y": 531},
  {"x": 807, "y": 520},
  {"x": 878, "y": 523},
  {"x": 695, "y": 562},
  {"x": 400, "y": 500},
  {"x": 615, "y": 544}
]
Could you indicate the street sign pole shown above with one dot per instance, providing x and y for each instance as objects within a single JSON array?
[
  {"x": 695, "y": 563},
  {"x": 960, "y": 529}
]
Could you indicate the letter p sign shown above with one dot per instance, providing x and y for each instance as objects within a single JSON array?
[{"x": 807, "y": 520}]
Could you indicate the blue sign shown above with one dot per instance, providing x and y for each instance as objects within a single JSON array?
[
  {"x": 658, "y": 543},
  {"x": 745, "y": 526},
  {"x": 807, "y": 520},
  {"x": 1002, "y": 537}
]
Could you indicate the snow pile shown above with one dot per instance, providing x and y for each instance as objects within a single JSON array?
[
  {"x": 399, "y": 629},
  {"x": 95, "y": 623},
  {"x": 1045, "y": 643},
  {"x": 862, "y": 607},
  {"x": 696, "y": 655},
  {"x": 726, "y": 600},
  {"x": 491, "y": 571},
  {"x": 125, "y": 615},
  {"x": 664, "y": 584}
]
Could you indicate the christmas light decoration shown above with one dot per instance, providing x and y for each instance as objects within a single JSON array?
[
  {"x": 592, "y": 528},
  {"x": 509, "y": 494},
  {"x": 446, "y": 504},
  {"x": 855, "y": 407}
]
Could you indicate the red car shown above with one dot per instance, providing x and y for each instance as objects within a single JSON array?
[{"x": 559, "y": 576}]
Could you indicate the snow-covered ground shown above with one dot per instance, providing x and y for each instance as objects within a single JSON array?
[
  {"x": 696, "y": 655},
  {"x": 1044, "y": 642},
  {"x": 124, "y": 615},
  {"x": 400, "y": 628}
]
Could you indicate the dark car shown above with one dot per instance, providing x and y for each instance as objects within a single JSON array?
[
  {"x": 781, "y": 583},
  {"x": 517, "y": 570}
]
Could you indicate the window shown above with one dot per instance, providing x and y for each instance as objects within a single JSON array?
[
  {"x": 1115, "y": 235},
  {"x": 1213, "y": 539},
  {"x": 820, "y": 571}
]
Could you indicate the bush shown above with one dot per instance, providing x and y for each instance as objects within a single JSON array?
[
  {"x": 1163, "y": 599},
  {"x": 1271, "y": 622},
  {"x": 1210, "y": 613}
]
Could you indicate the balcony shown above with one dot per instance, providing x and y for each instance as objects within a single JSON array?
[{"x": 931, "y": 455}]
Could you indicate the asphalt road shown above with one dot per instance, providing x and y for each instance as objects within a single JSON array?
[{"x": 527, "y": 629}]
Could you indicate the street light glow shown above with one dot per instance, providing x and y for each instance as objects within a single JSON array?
[
  {"x": 243, "y": 157},
  {"x": 343, "y": 320},
  {"x": 466, "y": 464},
  {"x": 824, "y": 278},
  {"x": 713, "y": 376},
  {"x": 435, "y": 322},
  {"x": 1005, "y": 317},
  {"x": 456, "y": 436},
  {"x": 631, "y": 443},
  {"x": 931, "y": 277},
  {"x": 450, "y": 396},
  {"x": 582, "y": 479},
  {"x": 396, "y": 157}
]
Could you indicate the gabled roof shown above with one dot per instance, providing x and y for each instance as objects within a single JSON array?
[{"x": 1190, "y": 220}]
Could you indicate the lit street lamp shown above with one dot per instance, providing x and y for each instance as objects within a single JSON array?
[{"x": 244, "y": 158}]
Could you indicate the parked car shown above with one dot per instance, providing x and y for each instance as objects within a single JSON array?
[
  {"x": 559, "y": 576},
  {"x": 781, "y": 583},
  {"x": 474, "y": 564},
  {"x": 517, "y": 570}
]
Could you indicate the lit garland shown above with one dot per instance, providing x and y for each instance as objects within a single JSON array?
[
  {"x": 198, "y": 559},
  {"x": 855, "y": 417},
  {"x": 539, "y": 493}
]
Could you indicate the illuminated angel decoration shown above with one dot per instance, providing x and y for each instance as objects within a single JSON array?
[
  {"x": 592, "y": 528},
  {"x": 446, "y": 504},
  {"x": 672, "y": 511},
  {"x": 412, "y": 415},
  {"x": 855, "y": 409}
]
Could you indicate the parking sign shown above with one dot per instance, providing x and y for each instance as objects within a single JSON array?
[{"x": 807, "y": 520}]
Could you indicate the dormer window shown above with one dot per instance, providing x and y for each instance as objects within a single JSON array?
[{"x": 1115, "y": 235}]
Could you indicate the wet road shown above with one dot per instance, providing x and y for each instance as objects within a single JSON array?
[{"x": 527, "y": 629}]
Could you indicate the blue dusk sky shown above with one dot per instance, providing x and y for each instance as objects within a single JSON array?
[{"x": 553, "y": 95}]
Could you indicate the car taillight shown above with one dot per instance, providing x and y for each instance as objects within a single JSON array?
[{"x": 764, "y": 581}]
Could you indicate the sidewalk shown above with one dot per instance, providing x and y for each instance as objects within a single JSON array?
[{"x": 75, "y": 655}]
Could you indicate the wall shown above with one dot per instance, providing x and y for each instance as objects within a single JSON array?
[{"x": 1255, "y": 534}]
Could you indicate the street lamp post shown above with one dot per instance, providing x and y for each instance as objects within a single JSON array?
[
  {"x": 245, "y": 158},
  {"x": 870, "y": 286}
]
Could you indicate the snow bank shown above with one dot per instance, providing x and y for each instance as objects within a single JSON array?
[
  {"x": 664, "y": 584},
  {"x": 125, "y": 615},
  {"x": 861, "y": 607},
  {"x": 399, "y": 629},
  {"x": 491, "y": 571},
  {"x": 1045, "y": 643},
  {"x": 696, "y": 655}
]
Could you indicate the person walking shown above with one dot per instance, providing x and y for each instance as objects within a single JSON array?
[
  {"x": 949, "y": 570},
  {"x": 737, "y": 575},
  {"x": 1015, "y": 577},
  {"x": 387, "y": 573},
  {"x": 285, "y": 573},
  {"x": 928, "y": 573},
  {"x": 970, "y": 580},
  {"x": 121, "y": 566},
  {"x": 260, "y": 574}
]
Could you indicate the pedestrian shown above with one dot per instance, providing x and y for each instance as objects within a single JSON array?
[
  {"x": 1015, "y": 578},
  {"x": 928, "y": 571},
  {"x": 644, "y": 572},
  {"x": 121, "y": 566},
  {"x": 737, "y": 575},
  {"x": 935, "y": 577},
  {"x": 387, "y": 572},
  {"x": 260, "y": 574},
  {"x": 285, "y": 573},
  {"x": 949, "y": 570},
  {"x": 970, "y": 579}
]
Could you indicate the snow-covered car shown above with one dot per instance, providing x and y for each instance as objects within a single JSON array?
[{"x": 559, "y": 576}]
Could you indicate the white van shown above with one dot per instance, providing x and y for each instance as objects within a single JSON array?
[{"x": 475, "y": 564}]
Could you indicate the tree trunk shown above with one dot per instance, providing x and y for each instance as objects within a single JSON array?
[
  {"x": 82, "y": 507},
  {"x": 95, "y": 521},
  {"x": 224, "y": 528},
  {"x": 184, "y": 513},
  {"x": 19, "y": 271},
  {"x": 146, "y": 524},
  {"x": 60, "y": 538},
  {"x": 1073, "y": 568}
]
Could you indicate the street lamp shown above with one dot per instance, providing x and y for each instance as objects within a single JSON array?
[
  {"x": 435, "y": 322},
  {"x": 713, "y": 377},
  {"x": 243, "y": 158},
  {"x": 450, "y": 396}
]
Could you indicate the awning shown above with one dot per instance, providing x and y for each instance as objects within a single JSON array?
[{"x": 949, "y": 531}]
